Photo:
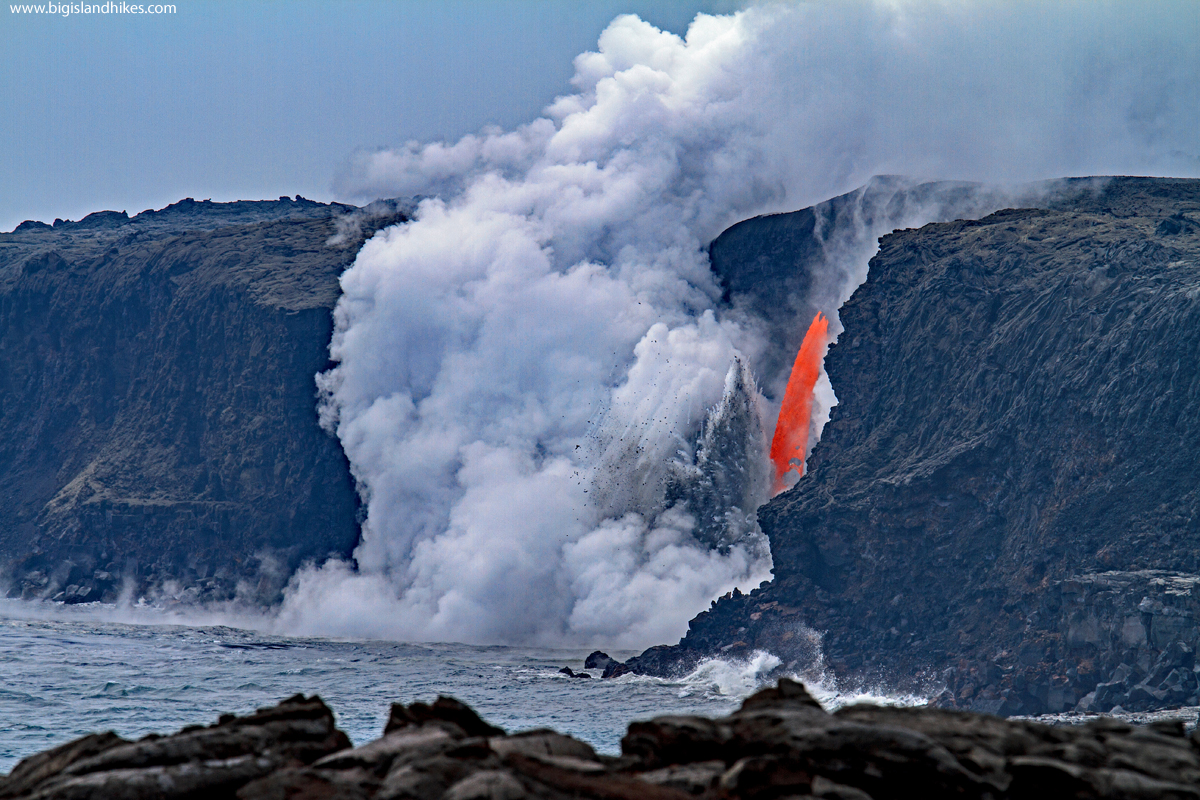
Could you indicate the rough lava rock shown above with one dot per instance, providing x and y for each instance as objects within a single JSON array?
[
  {"x": 597, "y": 660},
  {"x": 780, "y": 743},
  {"x": 213, "y": 761}
]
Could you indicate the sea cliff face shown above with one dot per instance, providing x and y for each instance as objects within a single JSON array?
[
  {"x": 1005, "y": 500},
  {"x": 158, "y": 404}
]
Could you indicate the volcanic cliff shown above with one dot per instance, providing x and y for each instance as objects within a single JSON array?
[
  {"x": 1005, "y": 500},
  {"x": 158, "y": 404}
]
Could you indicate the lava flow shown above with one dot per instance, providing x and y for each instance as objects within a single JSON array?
[{"x": 791, "y": 431}]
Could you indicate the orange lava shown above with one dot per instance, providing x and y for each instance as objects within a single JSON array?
[{"x": 791, "y": 431}]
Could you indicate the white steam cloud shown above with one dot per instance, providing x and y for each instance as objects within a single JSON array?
[{"x": 552, "y": 420}]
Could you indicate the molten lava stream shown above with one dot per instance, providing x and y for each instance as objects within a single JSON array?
[{"x": 791, "y": 431}]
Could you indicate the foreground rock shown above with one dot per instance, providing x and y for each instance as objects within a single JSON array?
[
  {"x": 200, "y": 761},
  {"x": 781, "y": 743}
]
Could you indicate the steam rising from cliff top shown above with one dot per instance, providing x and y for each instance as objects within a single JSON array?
[
  {"x": 821, "y": 96},
  {"x": 528, "y": 371}
]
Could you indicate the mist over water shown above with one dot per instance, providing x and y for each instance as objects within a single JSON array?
[{"x": 540, "y": 392}]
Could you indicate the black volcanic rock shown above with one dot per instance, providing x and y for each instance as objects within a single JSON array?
[
  {"x": 780, "y": 743},
  {"x": 1019, "y": 399},
  {"x": 597, "y": 660},
  {"x": 158, "y": 400},
  {"x": 213, "y": 761},
  {"x": 783, "y": 268}
]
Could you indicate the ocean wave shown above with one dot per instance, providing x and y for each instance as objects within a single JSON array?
[{"x": 738, "y": 678}]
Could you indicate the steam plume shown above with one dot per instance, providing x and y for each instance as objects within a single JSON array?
[{"x": 527, "y": 373}]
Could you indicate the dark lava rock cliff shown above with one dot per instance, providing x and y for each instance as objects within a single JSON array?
[
  {"x": 1005, "y": 500},
  {"x": 158, "y": 404}
]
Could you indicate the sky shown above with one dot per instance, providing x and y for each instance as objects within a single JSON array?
[{"x": 253, "y": 100}]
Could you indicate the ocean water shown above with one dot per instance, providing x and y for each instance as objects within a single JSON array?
[{"x": 69, "y": 671}]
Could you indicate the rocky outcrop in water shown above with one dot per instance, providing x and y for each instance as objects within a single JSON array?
[
  {"x": 158, "y": 404},
  {"x": 780, "y": 743},
  {"x": 1005, "y": 501}
]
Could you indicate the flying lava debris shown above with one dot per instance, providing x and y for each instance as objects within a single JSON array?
[{"x": 791, "y": 431}]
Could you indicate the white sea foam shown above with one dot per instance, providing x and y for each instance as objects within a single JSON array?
[
  {"x": 734, "y": 678},
  {"x": 738, "y": 678}
]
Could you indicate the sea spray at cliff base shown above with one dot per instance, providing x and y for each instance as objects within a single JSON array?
[{"x": 525, "y": 373}]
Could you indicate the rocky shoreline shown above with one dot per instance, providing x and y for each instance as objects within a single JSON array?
[
  {"x": 1109, "y": 642},
  {"x": 780, "y": 743}
]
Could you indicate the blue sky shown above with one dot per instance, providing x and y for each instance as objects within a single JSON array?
[{"x": 253, "y": 100}]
